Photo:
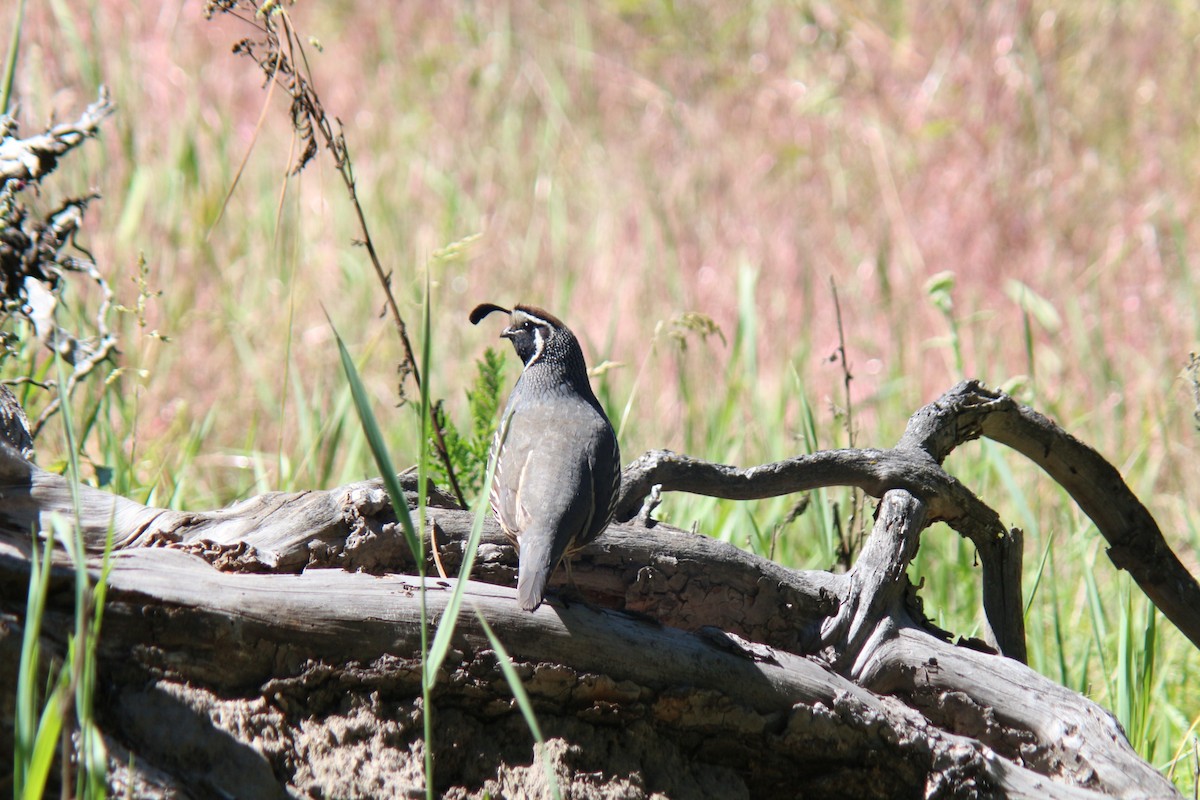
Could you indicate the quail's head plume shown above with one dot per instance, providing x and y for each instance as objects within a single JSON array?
[{"x": 558, "y": 466}]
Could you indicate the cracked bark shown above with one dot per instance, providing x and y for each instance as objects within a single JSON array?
[{"x": 272, "y": 648}]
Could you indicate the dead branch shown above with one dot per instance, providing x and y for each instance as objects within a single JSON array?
[
  {"x": 289, "y": 613},
  {"x": 34, "y": 255},
  {"x": 966, "y": 412},
  {"x": 30, "y": 159}
]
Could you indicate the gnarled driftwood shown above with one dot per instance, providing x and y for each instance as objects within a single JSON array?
[{"x": 272, "y": 648}]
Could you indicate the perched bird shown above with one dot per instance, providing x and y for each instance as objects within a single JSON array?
[{"x": 558, "y": 467}]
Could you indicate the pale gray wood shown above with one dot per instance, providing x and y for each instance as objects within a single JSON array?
[
  {"x": 227, "y": 624},
  {"x": 966, "y": 412},
  {"x": 333, "y": 616},
  {"x": 996, "y": 700}
]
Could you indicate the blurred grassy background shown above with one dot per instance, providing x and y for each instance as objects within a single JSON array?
[{"x": 1003, "y": 191}]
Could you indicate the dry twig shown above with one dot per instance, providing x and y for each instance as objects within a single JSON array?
[{"x": 281, "y": 55}]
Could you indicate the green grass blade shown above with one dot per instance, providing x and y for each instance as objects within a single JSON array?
[
  {"x": 1095, "y": 607},
  {"x": 428, "y": 675},
  {"x": 1055, "y": 604},
  {"x": 10, "y": 64},
  {"x": 26, "y": 699},
  {"x": 379, "y": 450},
  {"x": 92, "y": 760},
  {"x": 637, "y": 381},
  {"x": 1038, "y": 574},
  {"x": 400, "y": 505},
  {"x": 426, "y": 408},
  {"x": 445, "y": 629},
  {"x": 44, "y": 744},
  {"x": 93, "y": 755},
  {"x": 1135, "y": 674},
  {"x": 746, "y": 338},
  {"x": 1126, "y": 680},
  {"x": 519, "y": 694},
  {"x": 1149, "y": 655}
]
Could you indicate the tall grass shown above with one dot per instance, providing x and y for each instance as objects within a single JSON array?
[
  {"x": 628, "y": 164},
  {"x": 38, "y": 720},
  {"x": 59, "y": 719}
]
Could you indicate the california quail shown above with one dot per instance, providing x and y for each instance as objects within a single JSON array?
[{"x": 558, "y": 469}]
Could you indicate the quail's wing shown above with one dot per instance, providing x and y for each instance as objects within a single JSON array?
[
  {"x": 606, "y": 476},
  {"x": 543, "y": 477},
  {"x": 510, "y": 463}
]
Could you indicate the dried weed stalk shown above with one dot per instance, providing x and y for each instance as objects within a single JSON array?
[{"x": 280, "y": 53}]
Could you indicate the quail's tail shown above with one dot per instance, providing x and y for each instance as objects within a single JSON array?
[{"x": 536, "y": 562}]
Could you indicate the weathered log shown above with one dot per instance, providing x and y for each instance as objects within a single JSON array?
[
  {"x": 183, "y": 640},
  {"x": 273, "y": 647}
]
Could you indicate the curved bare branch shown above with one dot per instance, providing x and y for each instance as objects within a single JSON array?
[
  {"x": 1136, "y": 544},
  {"x": 966, "y": 412}
]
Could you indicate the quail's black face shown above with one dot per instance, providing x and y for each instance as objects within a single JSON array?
[
  {"x": 534, "y": 332},
  {"x": 528, "y": 334},
  {"x": 539, "y": 337}
]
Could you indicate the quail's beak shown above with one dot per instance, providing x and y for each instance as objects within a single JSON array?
[{"x": 508, "y": 333}]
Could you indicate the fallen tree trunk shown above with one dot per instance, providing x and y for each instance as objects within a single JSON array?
[{"x": 273, "y": 648}]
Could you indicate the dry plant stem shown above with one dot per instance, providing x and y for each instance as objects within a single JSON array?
[
  {"x": 304, "y": 91},
  {"x": 83, "y": 360},
  {"x": 241, "y": 168},
  {"x": 847, "y": 538},
  {"x": 310, "y": 119},
  {"x": 33, "y": 249},
  {"x": 841, "y": 357},
  {"x": 341, "y": 155}
]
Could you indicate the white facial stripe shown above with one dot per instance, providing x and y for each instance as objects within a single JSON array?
[
  {"x": 539, "y": 343},
  {"x": 541, "y": 323}
]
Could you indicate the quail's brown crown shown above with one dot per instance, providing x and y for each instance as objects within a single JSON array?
[{"x": 539, "y": 313}]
